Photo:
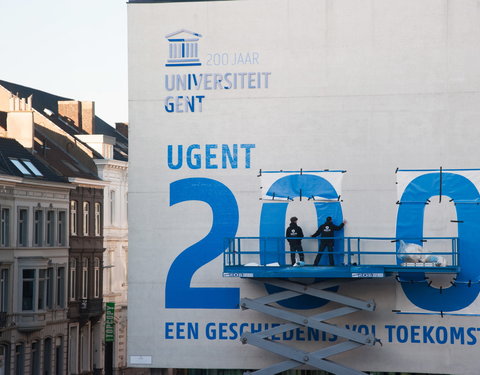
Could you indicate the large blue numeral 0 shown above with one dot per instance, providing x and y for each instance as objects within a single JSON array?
[
  {"x": 178, "y": 293},
  {"x": 272, "y": 224},
  {"x": 410, "y": 224}
]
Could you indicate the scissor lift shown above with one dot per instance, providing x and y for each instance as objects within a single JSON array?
[{"x": 356, "y": 263}]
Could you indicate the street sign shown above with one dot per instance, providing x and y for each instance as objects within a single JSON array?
[{"x": 110, "y": 322}]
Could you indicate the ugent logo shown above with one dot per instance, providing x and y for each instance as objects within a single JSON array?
[{"x": 183, "y": 48}]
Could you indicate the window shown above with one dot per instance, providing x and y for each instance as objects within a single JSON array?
[
  {"x": 73, "y": 218},
  {"x": 19, "y": 359},
  {"x": 61, "y": 228},
  {"x": 22, "y": 226},
  {"x": 4, "y": 290},
  {"x": 86, "y": 218},
  {"x": 96, "y": 275},
  {"x": 73, "y": 279},
  {"x": 85, "y": 348},
  {"x": 34, "y": 169},
  {"x": 28, "y": 288},
  {"x": 98, "y": 219},
  {"x": 73, "y": 350},
  {"x": 35, "y": 358},
  {"x": 50, "y": 240},
  {"x": 61, "y": 286},
  {"x": 38, "y": 228},
  {"x": 26, "y": 167},
  {"x": 113, "y": 218},
  {"x": 35, "y": 289},
  {"x": 47, "y": 356},
  {"x": 50, "y": 281},
  {"x": 84, "y": 278},
  {"x": 21, "y": 167},
  {"x": 5, "y": 359},
  {"x": 5, "y": 227},
  {"x": 59, "y": 355},
  {"x": 42, "y": 289}
]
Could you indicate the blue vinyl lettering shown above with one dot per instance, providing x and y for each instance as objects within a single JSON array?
[
  {"x": 457, "y": 334},
  {"x": 179, "y": 162},
  {"x": 471, "y": 335},
  {"x": 231, "y": 156},
  {"x": 169, "y": 330},
  {"x": 410, "y": 225},
  {"x": 209, "y": 156},
  {"x": 197, "y": 163},
  {"x": 427, "y": 334},
  {"x": 210, "y": 331},
  {"x": 247, "y": 148},
  {"x": 402, "y": 334},
  {"x": 272, "y": 224},
  {"x": 415, "y": 333},
  {"x": 178, "y": 292},
  {"x": 441, "y": 335}
]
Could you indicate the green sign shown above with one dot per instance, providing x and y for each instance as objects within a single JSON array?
[{"x": 110, "y": 322}]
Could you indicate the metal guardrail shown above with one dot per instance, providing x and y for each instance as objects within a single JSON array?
[{"x": 366, "y": 251}]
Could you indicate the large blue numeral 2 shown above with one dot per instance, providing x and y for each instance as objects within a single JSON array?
[{"x": 178, "y": 293}]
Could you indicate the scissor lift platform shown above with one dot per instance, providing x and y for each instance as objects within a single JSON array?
[
  {"x": 267, "y": 265},
  {"x": 330, "y": 272},
  {"x": 268, "y": 260}
]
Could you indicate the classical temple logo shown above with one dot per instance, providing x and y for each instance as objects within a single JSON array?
[{"x": 183, "y": 48}]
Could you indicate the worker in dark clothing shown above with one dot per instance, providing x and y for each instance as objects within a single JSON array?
[
  {"x": 325, "y": 230},
  {"x": 294, "y": 236}
]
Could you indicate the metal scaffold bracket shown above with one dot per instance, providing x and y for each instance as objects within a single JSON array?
[{"x": 296, "y": 357}]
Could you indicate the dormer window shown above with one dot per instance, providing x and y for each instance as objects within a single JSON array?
[
  {"x": 22, "y": 168},
  {"x": 26, "y": 167},
  {"x": 34, "y": 169}
]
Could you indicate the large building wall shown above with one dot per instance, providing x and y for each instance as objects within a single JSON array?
[{"x": 362, "y": 86}]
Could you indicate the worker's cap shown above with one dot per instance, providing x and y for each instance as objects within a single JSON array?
[
  {"x": 293, "y": 219},
  {"x": 329, "y": 218}
]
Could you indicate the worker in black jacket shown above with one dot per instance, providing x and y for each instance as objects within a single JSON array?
[
  {"x": 294, "y": 236},
  {"x": 326, "y": 230}
]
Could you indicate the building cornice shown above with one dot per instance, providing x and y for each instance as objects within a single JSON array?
[
  {"x": 87, "y": 182},
  {"x": 112, "y": 163},
  {"x": 12, "y": 180}
]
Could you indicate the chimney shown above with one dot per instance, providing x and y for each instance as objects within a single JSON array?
[
  {"x": 122, "y": 128},
  {"x": 88, "y": 117},
  {"x": 79, "y": 114},
  {"x": 20, "y": 121},
  {"x": 71, "y": 111}
]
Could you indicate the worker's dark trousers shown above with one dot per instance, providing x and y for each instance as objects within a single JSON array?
[
  {"x": 299, "y": 249},
  {"x": 325, "y": 244}
]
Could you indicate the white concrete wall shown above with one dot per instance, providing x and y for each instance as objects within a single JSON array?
[{"x": 366, "y": 86}]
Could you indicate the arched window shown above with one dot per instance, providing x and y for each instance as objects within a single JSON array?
[
  {"x": 84, "y": 278},
  {"x": 73, "y": 279},
  {"x": 113, "y": 214},
  {"x": 73, "y": 218},
  {"x": 47, "y": 356},
  {"x": 86, "y": 218},
  {"x": 35, "y": 358},
  {"x": 98, "y": 219},
  {"x": 59, "y": 355},
  {"x": 4, "y": 358},
  {"x": 20, "y": 359},
  {"x": 96, "y": 276}
]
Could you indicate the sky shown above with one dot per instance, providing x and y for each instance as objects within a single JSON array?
[{"x": 76, "y": 49}]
